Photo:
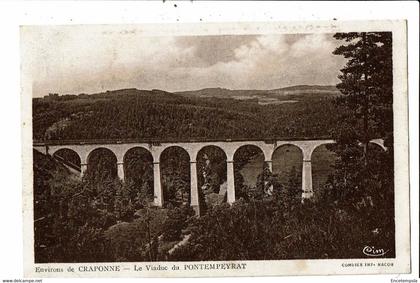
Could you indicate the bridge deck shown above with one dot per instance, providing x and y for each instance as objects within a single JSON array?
[{"x": 268, "y": 140}]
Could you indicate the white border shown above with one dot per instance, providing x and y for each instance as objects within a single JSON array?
[
  {"x": 13, "y": 14},
  {"x": 400, "y": 264}
]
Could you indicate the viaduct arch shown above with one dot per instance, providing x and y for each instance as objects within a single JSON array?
[{"x": 83, "y": 149}]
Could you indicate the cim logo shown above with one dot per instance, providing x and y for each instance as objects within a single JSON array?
[{"x": 372, "y": 251}]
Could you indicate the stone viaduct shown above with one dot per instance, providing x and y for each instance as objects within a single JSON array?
[{"x": 229, "y": 147}]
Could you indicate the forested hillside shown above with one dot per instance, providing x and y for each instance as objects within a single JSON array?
[{"x": 141, "y": 114}]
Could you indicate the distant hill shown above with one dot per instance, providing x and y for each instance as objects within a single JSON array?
[
  {"x": 279, "y": 94},
  {"x": 306, "y": 89},
  {"x": 272, "y": 96},
  {"x": 216, "y": 91},
  {"x": 109, "y": 94},
  {"x": 309, "y": 88}
]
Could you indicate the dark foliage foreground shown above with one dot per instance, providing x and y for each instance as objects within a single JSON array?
[
  {"x": 81, "y": 221},
  {"x": 346, "y": 218}
]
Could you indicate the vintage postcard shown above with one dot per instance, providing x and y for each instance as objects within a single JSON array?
[{"x": 199, "y": 150}]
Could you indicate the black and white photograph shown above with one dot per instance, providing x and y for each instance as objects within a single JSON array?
[{"x": 212, "y": 151}]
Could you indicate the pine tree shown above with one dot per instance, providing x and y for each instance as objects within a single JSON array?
[
  {"x": 366, "y": 85},
  {"x": 366, "y": 82}
]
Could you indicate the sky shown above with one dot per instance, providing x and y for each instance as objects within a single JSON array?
[{"x": 73, "y": 61}]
